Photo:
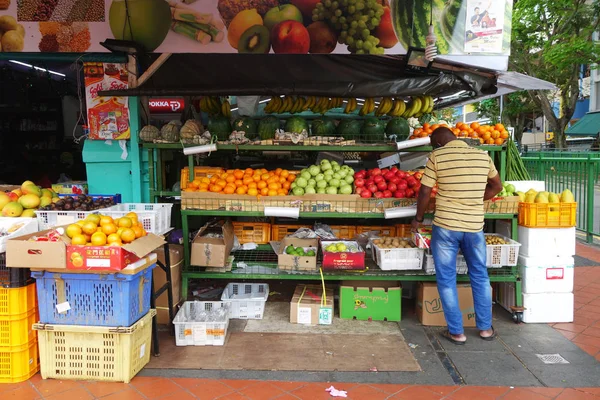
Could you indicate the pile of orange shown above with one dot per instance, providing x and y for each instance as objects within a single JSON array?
[
  {"x": 487, "y": 134},
  {"x": 254, "y": 182},
  {"x": 101, "y": 230}
]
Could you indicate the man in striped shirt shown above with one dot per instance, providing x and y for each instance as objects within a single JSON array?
[{"x": 465, "y": 176}]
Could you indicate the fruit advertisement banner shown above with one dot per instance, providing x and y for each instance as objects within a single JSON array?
[
  {"x": 258, "y": 26},
  {"x": 108, "y": 117}
]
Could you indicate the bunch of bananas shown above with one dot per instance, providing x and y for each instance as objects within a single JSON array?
[
  {"x": 419, "y": 106},
  {"x": 351, "y": 106},
  {"x": 213, "y": 106},
  {"x": 368, "y": 107},
  {"x": 226, "y": 109},
  {"x": 293, "y": 105}
]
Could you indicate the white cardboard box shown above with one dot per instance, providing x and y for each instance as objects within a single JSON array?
[
  {"x": 547, "y": 242},
  {"x": 523, "y": 186},
  {"x": 547, "y": 274},
  {"x": 548, "y": 307}
]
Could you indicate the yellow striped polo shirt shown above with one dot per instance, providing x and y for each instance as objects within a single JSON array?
[{"x": 461, "y": 173}]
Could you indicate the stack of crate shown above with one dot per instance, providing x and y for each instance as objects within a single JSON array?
[{"x": 18, "y": 312}]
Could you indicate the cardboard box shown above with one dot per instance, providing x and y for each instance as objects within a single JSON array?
[
  {"x": 22, "y": 253},
  {"x": 75, "y": 187},
  {"x": 297, "y": 263},
  {"x": 309, "y": 307},
  {"x": 429, "y": 305},
  {"x": 343, "y": 260},
  {"x": 369, "y": 300},
  {"x": 212, "y": 252},
  {"x": 160, "y": 278},
  {"x": 110, "y": 258},
  {"x": 8, "y": 188}
]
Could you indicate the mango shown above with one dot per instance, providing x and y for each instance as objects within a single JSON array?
[
  {"x": 4, "y": 200},
  {"x": 567, "y": 197},
  {"x": 27, "y": 183},
  {"x": 31, "y": 189},
  {"x": 47, "y": 192},
  {"x": 12, "y": 209},
  {"x": 29, "y": 201},
  {"x": 18, "y": 192},
  {"x": 553, "y": 198},
  {"x": 521, "y": 196},
  {"x": 30, "y": 213},
  {"x": 45, "y": 201},
  {"x": 541, "y": 198}
]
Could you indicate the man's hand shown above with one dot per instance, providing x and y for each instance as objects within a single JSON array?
[{"x": 415, "y": 225}]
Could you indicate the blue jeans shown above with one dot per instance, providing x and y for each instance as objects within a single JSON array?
[{"x": 444, "y": 247}]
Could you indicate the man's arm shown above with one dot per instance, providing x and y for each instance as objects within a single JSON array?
[
  {"x": 423, "y": 202},
  {"x": 494, "y": 186},
  {"x": 428, "y": 180}
]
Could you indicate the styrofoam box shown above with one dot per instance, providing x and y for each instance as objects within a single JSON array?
[
  {"x": 547, "y": 242},
  {"x": 523, "y": 186},
  {"x": 548, "y": 307},
  {"x": 547, "y": 274}
]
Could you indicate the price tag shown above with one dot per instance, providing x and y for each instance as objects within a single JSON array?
[
  {"x": 142, "y": 350},
  {"x": 555, "y": 273},
  {"x": 63, "y": 307},
  {"x": 199, "y": 334},
  {"x": 325, "y": 316},
  {"x": 304, "y": 315}
]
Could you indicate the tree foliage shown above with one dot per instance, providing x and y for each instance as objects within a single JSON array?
[
  {"x": 516, "y": 108},
  {"x": 552, "y": 40}
]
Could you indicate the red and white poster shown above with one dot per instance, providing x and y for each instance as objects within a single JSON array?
[{"x": 108, "y": 117}]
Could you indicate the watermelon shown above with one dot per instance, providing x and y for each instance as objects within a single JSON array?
[
  {"x": 220, "y": 126},
  {"x": 323, "y": 126},
  {"x": 267, "y": 127},
  {"x": 296, "y": 125},
  {"x": 349, "y": 128},
  {"x": 373, "y": 129},
  {"x": 244, "y": 124},
  {"x": 398, "y": 127}
]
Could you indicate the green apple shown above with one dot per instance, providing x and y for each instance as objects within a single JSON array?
[
  {"x": 314, "y": 170},
  {"x": 285, "y": 12},
  {"x": 298, "y": 191},
  {"x": 341, "y": 247},
  {"x": 319, "y": 177},
  {"x": 310, "y": 190},
  {"x": 321, "y": 191},
  {"x": 321, "y": 184},
  {"x": 312, "y": 182},
  {"x": 349, "y": 179},
  {"x": 345, "y": 189},
  {"x": 306, "y": 175},
  {"x": 301, "y": 182},
  {"x": 331, "y": 190},
  {"x": 334, "y": 183},
  {"x": 145, "y": 21}
]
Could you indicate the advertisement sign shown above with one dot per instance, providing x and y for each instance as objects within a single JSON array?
[
  {"x": 163, "y": 106},
  {"x": 108, "y": 117},
  {"x": 257, "y": 26}
]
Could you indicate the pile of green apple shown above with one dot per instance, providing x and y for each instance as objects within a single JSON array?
[
  {"x": 326, "y": 178},
  {"x": 342, "y": 247},
  {"x": 300, "y": 251}
]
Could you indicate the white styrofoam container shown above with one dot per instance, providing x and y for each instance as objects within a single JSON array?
[
  {"x": 502, "y": 255},
  {"x": 523, "y": 186},
  {"x": 547, "y": 242},
  {"x": 190, "y": 332},
  {"x": 547, "y": 274},
  {"x": 30, "y": 225},
  {"x": 548, "y": 307},
  {"x": 246, "y": 300}
]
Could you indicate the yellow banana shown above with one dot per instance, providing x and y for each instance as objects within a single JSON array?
[
  {"x": 226, "y": 108},
  {"x": 371, "y": 105}
]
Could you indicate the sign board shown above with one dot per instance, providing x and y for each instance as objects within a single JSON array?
[
  {"x": 462, "y": 27},
  {"x": 163, "y": 106}
]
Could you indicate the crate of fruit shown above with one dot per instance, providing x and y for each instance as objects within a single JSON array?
[
  {"x": 98, "y": 353},
  {"x": 252, "y": 232},
  {"x": 396, "y": 254},
  {"x": 13, "y": 227},
  {"x": 502, "y": 205},
  {"x": 155, "y": 218},
  {"x": 501, "y": 251},
  {"x": 461, "y": 265},
  {"x": 342, "y": 254},
  {"x": 201, "y": 323},
  {"x": 548, "y": 215},
  {"x": 246, "y": 300},
  {"x": 115, "y": 198}
]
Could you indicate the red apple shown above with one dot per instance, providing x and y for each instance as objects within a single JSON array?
[
  {"x": 387, "y": 194},
  {"x": 358, "y": 190},
  {"x": 290, "y": 37},
  {"x": 402, "y": 185},
  {"x": 369, "y": 182},
  {"x": 378, "y": 178},
  {"x": 372, "y": 188},
  {"x": 385, "y": 31},
  {"x": 375, "y": 172},
  {"x": 360, "y": 174},
  {"x": 401, "y": 174},
  {"x": 359, "y": 182},
  {"x": 411, "y": 181},
  {"x": 392, "y": 187},
  {"x": 394, "y": 169},
  {"x": 365, "y": 194},
  {"x": 389, "y": 176},
  {"x": 381, "y": 185},
  {"x": 306, "y": 6},
  {"x": 418, "y": 175},
  {"x": 378, "y": 195},
  {"x": 395, "y": 180},
  {"x": 410, "y": 193},
  {"x": 399, "y": 194}
]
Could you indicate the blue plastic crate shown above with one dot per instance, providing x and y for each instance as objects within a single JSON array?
[
  {"x": 116, "y": 197},
  {"x": 94, "y": 299}
]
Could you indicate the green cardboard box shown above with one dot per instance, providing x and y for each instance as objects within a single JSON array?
[{"x": 377, "y": 301}]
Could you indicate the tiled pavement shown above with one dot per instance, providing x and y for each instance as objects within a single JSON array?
[{"x": 584, "y": 331}]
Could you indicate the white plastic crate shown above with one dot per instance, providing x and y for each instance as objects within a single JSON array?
[
  {"x": 155, "y": 218},
  {"x": 193, "y": 329},
  {"x": 28, "y": 225},
  {"x": 547, "y": 242},
  {"x": 461, "y": 265},
  {"x": 547, "y": 274},
  {"x": 246, "y": 300},
  {"x": 397, "y": 259},
  {"x": 502, "y": 255},
  {"x": 50, "y": 219}
]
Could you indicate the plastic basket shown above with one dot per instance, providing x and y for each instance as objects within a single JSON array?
[
  {"x": 50, "y": 219},
  {"x": 16, "y": 331},
  {"x": 403, "y": 230},
  {"x": 95, "y": 353},
  {"x": 246, "y": 300},
  {"x": 502, "y": 255},
  {"x": 94, "y": 299},
  {"x": 19, "y": 363},
  {"x": 199, "y": 333},
  {"x": 13, "y": 277},
  {"x": 199, "y": 172},
  {"x": 461, "y": 265},
  {"x": 252, "y": 232},
  {"x": 502, "y": 205},
  {"x": 397, "y": 259},
  {"x": 18, "y": 302},
  {"x": 382, "y": 231},
  {"x": 546, "y": 215},
  {"x": 155, "y": 218},
  {"x": 116, "y": 198},
  {"x": 278, "y": 232}
]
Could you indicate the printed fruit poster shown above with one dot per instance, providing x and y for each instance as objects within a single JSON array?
[
  {"x": 108, "y": 117},
  {"x": 257, "y": 26}
]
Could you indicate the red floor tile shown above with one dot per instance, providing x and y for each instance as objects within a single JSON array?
[
  {"x": 389, "y": 388},
  {"x": 523, "y": 394},
  {"x": 49, "y": 387},
  {"x": 127, "y": 394},
  {"x": 548, "y": 392},
  {"x": 592, "y": 332},
  {"x": 74, "y": 394},
  {"x": 23, "y": 393},
  {"x": 580, "y": 320},
  {"x": 416, "y": 393},
  {"x": 233, "y": 396},
  {"x": 187, "y": 383},
  {"x": 238, "y": 384},
  {"x": 568, "y": 335},
  {"x": 591, "y": 350},
  {"x": 287, "y": 386},
  {"x": 9, "y": 387},
  {"x": 571, "y": 327},
  {"x": 366, "y": 392},
  {"x": 101, "y": 389},
  {"x": 180, "y": 395},
  {"x": 574, "y": 394},
  {"x": 210, "y": 390},
  {"x": 261, "y": 391},
  {"x": 159, "y": 387},
  {"x": 315, "y": 391},
  {"x": 589, "y": 340},
  {"x": 478, "y": 393}
]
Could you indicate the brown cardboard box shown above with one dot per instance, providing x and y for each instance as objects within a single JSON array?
[
  {"x": 296, "y": 263},
  {"x": 429, "y": 305},
  {"x": 160, "y": 278},
  {"x": 212, "y": 252},
  {"x": 22, "y": 253},
  {"x": 306, "y": 308}
]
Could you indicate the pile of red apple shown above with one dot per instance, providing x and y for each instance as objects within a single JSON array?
[{"x": 388, "y": 183}]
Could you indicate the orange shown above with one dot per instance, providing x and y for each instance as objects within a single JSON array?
[
  {"x": 252, "y": 185},
  {"x": 119, "y": 231},
  {"x": 116, "y": 244},
  {"x": 274, "y": 186},
  {"x": 499, "y": 127},
  {"x": 215, "y": 188},
  {"x": 98, "y": 239},
  {"x": 286, "y": 185},
  {"x": 282, "y": 192},
  {"x": 426, "y": 125},
  {"x": 475, "y": 125},
  {"x": 139, "y": 232},
  {"x": 205, "y": 180},
  {"x": 481, "y": 141},
  {"x": 238, "y": 174},
  {"x": 78, "y": 240},
  {"x": 282, "y": 179},
  {"x": 95, "y": 218},
  {"x": 87, "y": 237},
  {"x": 434, "y": 127},
  {"x": 229, "y": 190},
  {"x": 278, "y": 171},
  {"x": 89, "y": 228},
  {"x": 253, "y": 192},
  {"x": 105, "y": 220},
  {"x": 291, "y": 178},
  {"x": 125, "y": 222},
  {"x": 98, "y": 229},
  {"x": 285, "y": 173},
  {"x": 221, "y": 183},
  {"x": 264, "y": 177},
  {"x": 495, "y": 134},
  {"x": 230, "y": 179},
  {"x": 238, "y": 182},
  {"x": 133, "y": 217},
  {"x": 113, "y": 237},
  {"x": 256, "y": 178},
  {"x": 490, "y": 141},
  {"x": 240, "y": 190},
  {"x": 486, "y": 136},
  {"x": 203, "y": 186},
  {"x": 264, "y": 191},
  {"x": 203, "y": 190},
  {"x": 247, "y": 180},
  {"x": 109, "y": 228},
  {"x": 73, "y": 230},
  {"x": 499, "y": 141},
  {"x": 473, "y": 135},
  {"x": 249, "y": 171},
  {"x": 80, "y": 223},
  {"x": 504, "y": 135},
  {"x": 213, "y": 179},
  {"x": 128, "y": 235},
  {"x": 272, "y": 192},
  {"x": 194, "y": 184},
  {"x": 261, "y": 185}
]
